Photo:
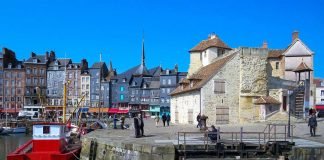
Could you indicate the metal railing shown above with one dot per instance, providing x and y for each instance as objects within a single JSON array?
[{"x": 269, "y": 134}]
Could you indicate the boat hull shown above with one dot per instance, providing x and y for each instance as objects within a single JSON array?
[{"x": 25, "y": 152}]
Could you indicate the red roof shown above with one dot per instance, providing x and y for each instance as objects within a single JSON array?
[
  {"x": 212, "y": 41},
  {"x": 302, "y": 67}
]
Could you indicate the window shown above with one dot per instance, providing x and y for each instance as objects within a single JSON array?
[
  {"x": 87, "y": 87},
  {"x": 46, "y": 129},
  {"x": 83, "y": 79},
  {"x": 121, "y": 88},
  {"x": 28, "y": 70},
  {"x": 35, "y": 81},
  {"x": 322, "y": 84},
  {"x": 124, "y": 79},
  {"x": 163, "y": 90},
  {"x": 35, "y": 71},
  {"x": 169, "y": 81},
  {"x": 70, "y": 75},
  {"x": 277, "y": 65},
  {"x": 42, "y": 71},
  {"x": 322, "y": 92},
  {"x": 163, "y": 82},
  {"x": 219, "y": 86},
  {"x": 35, "y": 60},
  {"x": 168, "y": 90},
  {"x": 121, "y": 97}
]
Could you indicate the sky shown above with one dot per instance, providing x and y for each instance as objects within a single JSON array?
[{"x": 80, "y": 29}]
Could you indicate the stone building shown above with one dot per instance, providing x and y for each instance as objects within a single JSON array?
[
  {"x": 234, "y": 86},
  {"x": 36, "y": 80},
  {"x": 14, "y": 87},
  {"x": 73, "y": 77},
  {"x": 55, "y": 81},
  {"x": 1, "y": 84},
  {"x": 85, "y": 88}
]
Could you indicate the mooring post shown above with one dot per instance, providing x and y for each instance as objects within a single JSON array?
[{"x": 241, "y": 135}]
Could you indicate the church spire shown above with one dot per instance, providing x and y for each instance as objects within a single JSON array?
[
  {"x": 110, "y": 66},
  {"x": 143, "y": 52}
]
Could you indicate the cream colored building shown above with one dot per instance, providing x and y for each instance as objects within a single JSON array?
[{"x": 234, "y": 85}]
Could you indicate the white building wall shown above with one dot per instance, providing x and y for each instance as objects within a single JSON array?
[
  {"x": 185, "y": 107},
  {"x": 319, "y": 95},
  {"x": 208, "y": 55}
]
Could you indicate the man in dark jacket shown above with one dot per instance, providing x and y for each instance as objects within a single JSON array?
[
  {"x": 199, "y": 121},
  {"x": 136, "y": 127},
  {"x": 168, "y": 119},
  {"x": 141, "y": 124},
  {"x": 312, "y": 123},
  {"x": 164, "y": 118},
  {"x": 213, "y": 134}
]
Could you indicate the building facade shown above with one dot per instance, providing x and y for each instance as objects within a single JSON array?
[
  {"x": 55, "y": 80},
  {"x": 237, "y": 86},
  {"x": 14, "y": 87},
  {"x": 85, "y": 88},
  {"x": 36, "y": 80}
]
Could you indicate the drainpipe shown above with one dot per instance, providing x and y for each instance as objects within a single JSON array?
[{"x": 200, "y": 102}]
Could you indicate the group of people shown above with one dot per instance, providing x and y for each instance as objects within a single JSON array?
[
  {"x": 165, "y": 118},
  {"x": 139, "y": 126}
]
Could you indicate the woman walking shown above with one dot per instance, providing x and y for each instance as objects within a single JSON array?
[{"x": 157, "y": 119}]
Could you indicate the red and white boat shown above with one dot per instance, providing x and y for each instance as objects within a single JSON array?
[{"x": 49, "y": 143}]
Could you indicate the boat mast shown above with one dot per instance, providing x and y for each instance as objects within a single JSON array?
[{"x": 65, "y": 83}]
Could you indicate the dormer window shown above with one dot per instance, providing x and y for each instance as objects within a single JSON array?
[
  {"x": 9, "y": 66},
  {"x": 34, "y": 60},
  {"x": 145, "y": 85},
  {"x": 134, "y": 84},
  {"x": 167, "y": 72},
  {"x": 191, "y": 84},
  {"x": 19, "y": 66}
]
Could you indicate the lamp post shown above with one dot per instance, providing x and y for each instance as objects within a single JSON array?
[{"x": 289, "y": 112}]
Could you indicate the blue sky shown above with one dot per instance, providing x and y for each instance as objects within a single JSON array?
[{"x": 83, "y": 29}]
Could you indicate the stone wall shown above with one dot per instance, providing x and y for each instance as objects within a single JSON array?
[
  {"x": 195, "y": 63},
  {"x": 253, "y": 81},
  {"x": 303, "y": 153},
  {"x": 211, "y": 101},
  {"x": 123, "y": 150},
  {"x": 272, "y": 67},
  {"x": 185, "y": 107}
]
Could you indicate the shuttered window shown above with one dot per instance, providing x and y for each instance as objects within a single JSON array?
[{"x": 219, "y": 86}]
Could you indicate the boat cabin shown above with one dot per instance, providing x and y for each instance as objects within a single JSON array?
[{"x": 49, "y": 137}]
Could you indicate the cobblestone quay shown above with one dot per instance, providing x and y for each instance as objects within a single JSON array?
[{"x": 160, "y": 142}]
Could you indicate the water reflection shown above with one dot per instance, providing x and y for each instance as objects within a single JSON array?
[{"x": 10, "y": 142}]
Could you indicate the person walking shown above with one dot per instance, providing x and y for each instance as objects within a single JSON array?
[
  {"x": 157, "y": 119},
  {"x": 199, "y": 120},
  {"x": 312, "y": 123},
  {"x": 164, "y": 118},
  {"x": 141, "y": 124},
  {"x": 168, "y": 119}
]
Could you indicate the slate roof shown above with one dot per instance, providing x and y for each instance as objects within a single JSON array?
[
  {"x": 266, "y": 100},
  {"x": 40, "y": 59},
  {"x": 275, "y": 53},
  {"x": 203, "y": 75},
  {"x": 97, "y": 65},
  {"x": 141, "y": 71},
  {"x": 302, "y": 68},
  {"x": 210, "y": 42}
]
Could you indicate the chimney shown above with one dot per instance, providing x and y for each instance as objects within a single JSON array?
[
  {"x": 46, "y": 55},
  {"x": 294, "y": 35},
  {"x": 212, "y": 35},
  {"x": 33, "y": 54},
  {"x": 265, "y": 44}
]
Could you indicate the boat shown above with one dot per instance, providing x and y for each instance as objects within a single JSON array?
[
  {"x": 49, "y": 142},
  {"x": 15, "y": 128}
]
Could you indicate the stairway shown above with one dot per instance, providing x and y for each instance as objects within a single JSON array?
[{"x": 299, "y": 103}]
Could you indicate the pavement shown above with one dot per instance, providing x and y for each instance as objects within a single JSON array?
[{"x": 161, "y": 134}]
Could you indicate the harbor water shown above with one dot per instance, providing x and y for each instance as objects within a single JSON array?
[{"x": 9, "y": 143}]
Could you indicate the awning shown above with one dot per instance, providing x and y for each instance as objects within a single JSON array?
[
  {"x": 123, "y": 111},
  {"x": 319, "y": 107},
  {"x": 84, "y": 109},
  {"x": 113, "y": 110},
  {"x": 96, "y": 110},
  {"x": 11, "y": 110}
]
